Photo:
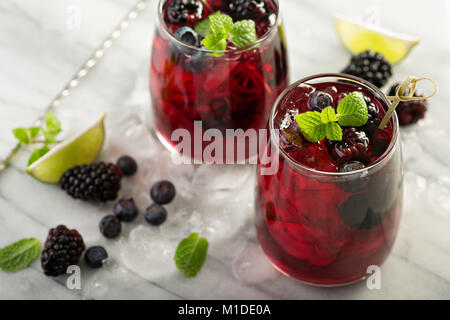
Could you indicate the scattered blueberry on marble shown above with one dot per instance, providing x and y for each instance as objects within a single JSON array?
[
  {"x": 95, "y": 257},
  {"x": 163, "y": 192},
  {"x": 126, "y": 210},
  {"x": 127, "y": 164},
  {"x": 110, "y": 226},
  {"x": 155, "y": 214}
]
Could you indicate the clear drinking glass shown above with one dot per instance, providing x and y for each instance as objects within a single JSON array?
[
  {"x": 327, "y": 228},
  {"x": 234, "y": 91}
]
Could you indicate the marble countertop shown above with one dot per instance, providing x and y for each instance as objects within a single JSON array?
[{"x": 40, "y": 50}]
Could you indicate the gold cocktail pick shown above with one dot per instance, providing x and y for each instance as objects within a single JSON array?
[{"x": 400, "y": 96}]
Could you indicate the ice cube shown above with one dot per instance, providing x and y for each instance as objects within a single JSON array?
[
  {"x": 252, "y": 266},
  {"x": 147, "y": 253}
]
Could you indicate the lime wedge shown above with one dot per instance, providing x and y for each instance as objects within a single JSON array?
[
  {"x": 81, "y": 149},
  {"x": 357, "y": 37}
]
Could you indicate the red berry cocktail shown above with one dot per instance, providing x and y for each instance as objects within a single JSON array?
[
  {"x": 198, "y": 73},
  {"x": 333, "y": 207}
]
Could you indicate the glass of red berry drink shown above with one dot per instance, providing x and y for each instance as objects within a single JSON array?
[
  {"x": 233, "y": 88},
  {"x": 333, "y": 207}
]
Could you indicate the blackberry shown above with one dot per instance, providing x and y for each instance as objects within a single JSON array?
[
  {"x": 62, "y": 249},
  {"x": 96, "y": 182},
  {"x": 95, "y": 257},
  {"x": 380, "y": 142},
  {"x": 374, "y": 120},
  {"x": 155, "y": 214},
  {"x": 163, "y": 192},
  {"x": 370, "y": 66},
  {"x": 409, "y": 112},
  {"x": 125, "y": 210},
  {"x": 353, "y": 145},
  {"x": 247, "y": 9},
  {"x": 110, "y": 227},
  {"x": 184, "y": 12},
  {"x": 128, "y": 165}
]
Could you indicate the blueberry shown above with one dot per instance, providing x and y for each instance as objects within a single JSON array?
[
  {"x": 356, "y": 212},
  {"x": 319, "y": 100},
  {"x": 350, "y": 166},
  {"x": 353, "y": 183},
  {"x": 95, "y": 257},
  {"x": 198, "y": 62},
  {"x": 128, "y": 165},
  {"x": 155, "y": 214},
  {"x": 125, "y": 210},
  {"x": 110, "y": 227},
  {"x": 187, "y": 35},
  {"x": 163, "y": 192}
]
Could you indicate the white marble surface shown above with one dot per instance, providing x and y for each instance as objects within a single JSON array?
[{"x": 39, "y": 54}]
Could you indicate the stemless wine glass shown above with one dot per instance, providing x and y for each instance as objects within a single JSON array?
[
  {"x": 328, "y": 228},
  {"x": 193, "y": 90}
]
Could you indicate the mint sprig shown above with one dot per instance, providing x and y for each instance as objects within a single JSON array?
[
  {"x": 191, "y": 254},
  {"x": 43, "y": 136},
  {"x": 218, "y": 28},
  {"x": 351, "y": 111},
  {"x": 19, "y": 255}
]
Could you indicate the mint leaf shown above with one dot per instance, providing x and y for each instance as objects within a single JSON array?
[
  {"x": 216, "y": 30},
  {"x": 352, "y": 110},
  {"x": 52, "y": 127},
  {"x": 328, "y": 115},
  {"x": 26, "y": 135},
  {"x": 203, "y": 28},
  {"x": 243, "y": 33},
  {"x": 219, "y": 22},
  {"x": 37, "y": 154},
  {"x": 191, "y": 254},
  {"x": 19, "y": 255},
  {"x": 311, "y": 125},
  {"x": 215, "y": 42},
  {"x": 334, "y": 131},
  {"x": 21, "y": 135}
]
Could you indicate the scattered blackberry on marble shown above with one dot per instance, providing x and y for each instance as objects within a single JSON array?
[
  {"x": 97, "y": 182},
  {"x": 370, "y": 66},
  {"x": 62, "y": 248},
  {"x": 409, "y": 112}
]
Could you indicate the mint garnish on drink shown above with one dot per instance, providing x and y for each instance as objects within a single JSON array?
[
  {"x": 191, "y": 254},
  {"x": 19, "y": 255},
  {"x": 351, "y": 111},
  {"x": 218, "y": 28}
]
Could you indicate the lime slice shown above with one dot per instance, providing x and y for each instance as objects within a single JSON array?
[
  {"x": 82, "y": 149},
  {"x": 357, "y": 37}
]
